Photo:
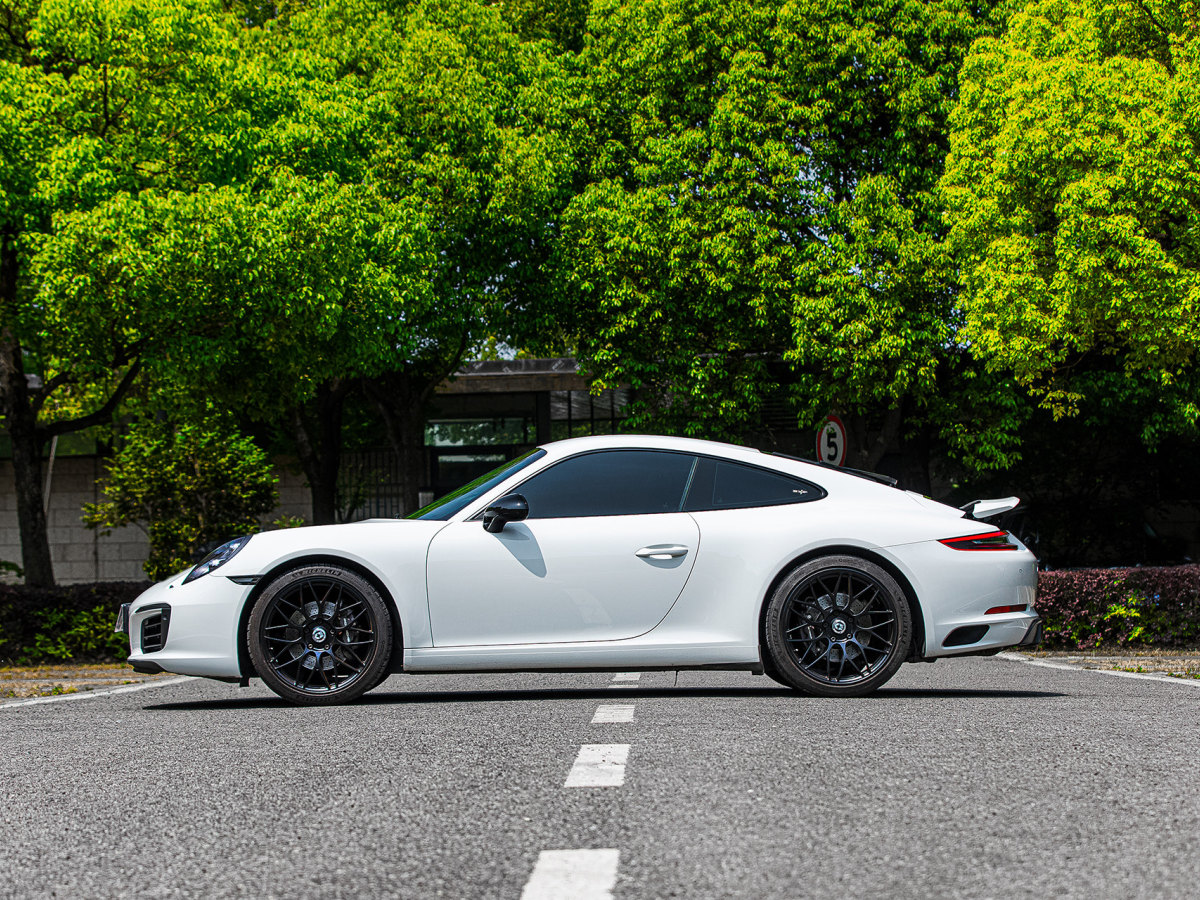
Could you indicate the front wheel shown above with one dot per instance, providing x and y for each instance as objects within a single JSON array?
[
  {"x": 838, "y": 626},
  {"x": 320, "y": 635}
]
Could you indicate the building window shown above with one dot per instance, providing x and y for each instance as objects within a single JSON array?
[
  {"x": 505, "y": 431},
  {"x": 579, "y": 413}
]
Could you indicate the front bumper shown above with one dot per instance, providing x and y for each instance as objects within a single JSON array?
[
  {"x": 188, "y": 629},
  {"x": 122, "y": 624}
]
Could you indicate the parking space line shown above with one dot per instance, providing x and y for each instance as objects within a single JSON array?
[
  {"x": 578, "y": 874},
  {"x": 1143, "y": 676},
  {"x": 622, "y": 712},
  {"x": 89, "y": 695},
  {"x": 599, "y": 765},
  {"x": 627, "y": 676}
]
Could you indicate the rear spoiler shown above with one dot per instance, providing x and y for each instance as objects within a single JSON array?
[{"x": 985, "y": 509}]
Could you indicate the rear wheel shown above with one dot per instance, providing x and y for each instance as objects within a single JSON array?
[
  {"x": 838, "y": 626},
  {"x": 320, "y": 635}
]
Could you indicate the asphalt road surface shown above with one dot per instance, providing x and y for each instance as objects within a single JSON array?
[{"x": 970, "y": 778}]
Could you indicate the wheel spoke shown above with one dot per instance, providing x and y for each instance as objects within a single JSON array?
[
  {"x": 305, "y": 660},
  {"x": 820, "y": 625},
  {"x": 873, "y": 627}
]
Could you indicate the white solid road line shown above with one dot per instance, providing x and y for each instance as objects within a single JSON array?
[
  {"x": 90, "y": 695},
  {"x": 1144, "y": 676},
  {"x": 613, "y": 713},
  {"x": 574, "y": 874},
  {"x": 599, "y": 765}
]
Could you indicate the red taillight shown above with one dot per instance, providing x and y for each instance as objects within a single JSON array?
[
  {"x": 996, "y": 610},
  {"x": 992, "y": 540}
]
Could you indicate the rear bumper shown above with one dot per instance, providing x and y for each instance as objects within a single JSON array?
[
  {"x": 1035, "y": 634},
  {"x": 1007, "y": 637}
]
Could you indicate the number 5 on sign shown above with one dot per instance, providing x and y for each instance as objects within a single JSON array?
[{"x": 831, "y": 441}]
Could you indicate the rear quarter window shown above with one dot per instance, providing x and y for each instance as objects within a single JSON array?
[{"x": 718, "y": 484}]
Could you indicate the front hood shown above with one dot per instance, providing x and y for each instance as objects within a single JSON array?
[{"x": 353, "y": 540}]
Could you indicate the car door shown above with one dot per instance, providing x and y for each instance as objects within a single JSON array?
[{"x": 604, "y": 553}]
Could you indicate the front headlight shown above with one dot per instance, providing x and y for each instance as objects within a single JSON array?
[{"x": 218, "y": 558}]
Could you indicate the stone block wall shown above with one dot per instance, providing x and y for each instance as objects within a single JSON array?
[{"x": 83, "y": 555}]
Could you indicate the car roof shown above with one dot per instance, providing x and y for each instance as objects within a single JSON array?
[
  {"x": 824, "y": 475},
  {"x": 650, "y": 442}
]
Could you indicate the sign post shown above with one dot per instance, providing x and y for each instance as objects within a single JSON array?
[{"x": 831, "y": 441}]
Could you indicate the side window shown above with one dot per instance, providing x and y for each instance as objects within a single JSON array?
[
  {"x": 726, "y": 485},
  {"x": 610, "y": 483}
]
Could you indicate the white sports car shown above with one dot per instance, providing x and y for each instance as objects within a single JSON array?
[{"x": 606, "y": 553}]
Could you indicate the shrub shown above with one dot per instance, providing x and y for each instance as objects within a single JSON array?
[
  {"x": 71, "y": 623},
  {"x": 190, "y": 485},
  {"x": 1143, "y": 607}
]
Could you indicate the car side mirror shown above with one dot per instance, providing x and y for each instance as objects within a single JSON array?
[{"x": 512, "y": 508}]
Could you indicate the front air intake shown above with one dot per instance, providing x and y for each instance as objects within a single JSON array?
[{"x": 154, "y": 628}]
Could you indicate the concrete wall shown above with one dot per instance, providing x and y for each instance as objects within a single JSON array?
[{"x": 83, "y": 555}]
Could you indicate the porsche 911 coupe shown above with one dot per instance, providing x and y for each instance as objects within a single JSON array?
[{"x": 606, "y": 554}]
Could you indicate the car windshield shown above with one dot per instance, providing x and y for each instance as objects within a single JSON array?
[{"x": 444, "y": 507}]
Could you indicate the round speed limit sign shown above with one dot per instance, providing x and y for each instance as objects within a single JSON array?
[{"x": 831, "y": 441}]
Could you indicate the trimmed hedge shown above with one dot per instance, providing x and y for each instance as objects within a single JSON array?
[
  {"x": 1143, "y": 607},
  {"x": 74, "y": 622}
]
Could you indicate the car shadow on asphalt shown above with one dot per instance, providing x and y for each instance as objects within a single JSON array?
[{"x": 408, "y": 698}]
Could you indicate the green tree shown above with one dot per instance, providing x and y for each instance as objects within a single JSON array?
[
  {"x": 189, "y": 485},
  {"x": 1073, "y": 195},
  {"x": 98, "y": 98},
  {"x": 758, "y": 209},
  {"x": 349, "y": 206},
  {"x": 291, "y": 290},
  {"x": 452, "y": 116}
]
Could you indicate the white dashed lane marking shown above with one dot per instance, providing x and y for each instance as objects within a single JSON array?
[
  {"x": 616, "y": 712},
  {"x": 625, "y": 680},
  {"x": 578, "y": 874},
  {"x": 599, "y": 765}
]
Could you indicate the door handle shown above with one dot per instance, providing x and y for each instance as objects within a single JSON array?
[{"x": 663, "y": 551}]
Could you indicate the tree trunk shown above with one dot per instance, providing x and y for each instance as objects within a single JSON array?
[
  {"x": 27, "y": 445},
  {"x": 16, "y": 406},
  {"x": 319, "y": 447},
  {"x": 20, "y": 407},
  {"x": 401, "y": 402}
]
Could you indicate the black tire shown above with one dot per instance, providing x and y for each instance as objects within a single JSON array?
[
  {"x": 838, "y": 626},
  {"x": 771, "y": 672},
  {"x": 381, "y": 678},
  {"x": 320, "y": 635}
]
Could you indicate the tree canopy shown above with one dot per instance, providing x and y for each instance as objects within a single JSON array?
[
  {"x": 1073, "y": 195},
  {"x": 758, "y": 208}
]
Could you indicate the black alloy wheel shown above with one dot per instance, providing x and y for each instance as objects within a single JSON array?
[
  {"x": 838, "y": 626},
  {"x": 320, "y": 635}
]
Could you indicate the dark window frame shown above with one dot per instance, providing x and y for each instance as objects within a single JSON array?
[
  {"x": 682, "y": 499},
  {"x": 819, "y": 493}
]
